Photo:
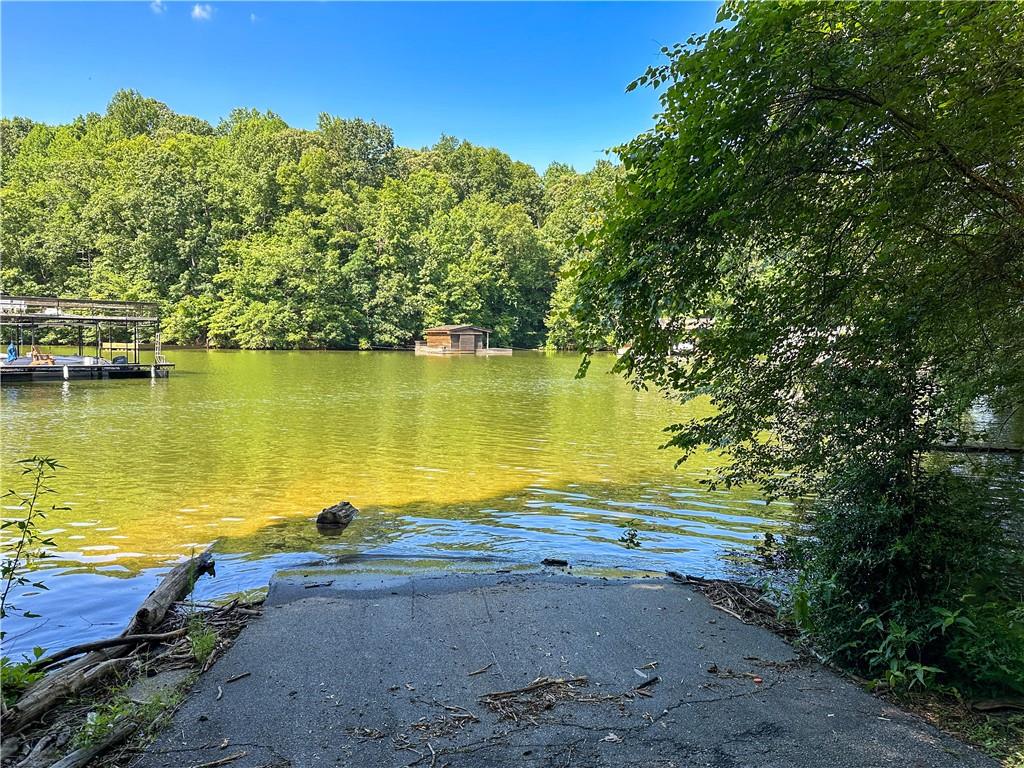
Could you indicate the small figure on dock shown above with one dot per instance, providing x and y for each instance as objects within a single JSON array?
[
  {"x": 38, "y": 358},
  {"x": 12, "y": 352}
]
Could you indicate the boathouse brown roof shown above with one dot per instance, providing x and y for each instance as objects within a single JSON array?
[{"x": 457, "y": 327}]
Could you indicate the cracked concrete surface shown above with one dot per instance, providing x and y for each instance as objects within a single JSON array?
[{"x": 374, "y": 670}]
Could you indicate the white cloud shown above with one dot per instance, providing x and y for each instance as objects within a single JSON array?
[
  {"x": 253, "y": 18},
  {"x": 202, "y": 11},
  {"x": 157, "y": 6}
]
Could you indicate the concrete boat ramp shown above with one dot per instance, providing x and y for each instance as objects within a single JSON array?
[{"x": 377, "y": 664}]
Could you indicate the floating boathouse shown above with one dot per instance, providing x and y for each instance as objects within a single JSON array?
[
  {"x": 117, "y": 329},
  {"x": 458, "y": 340}
]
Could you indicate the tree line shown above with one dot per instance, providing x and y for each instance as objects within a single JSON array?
[{"x": 255, "y": 234}]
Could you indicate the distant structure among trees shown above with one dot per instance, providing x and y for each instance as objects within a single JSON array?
[{"x": 458, "y": 340}]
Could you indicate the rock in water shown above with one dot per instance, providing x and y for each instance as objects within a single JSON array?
[{"x": 337, "y": 516}]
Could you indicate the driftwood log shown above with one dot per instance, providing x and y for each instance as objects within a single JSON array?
[
  {"x": 47, "y": 749},
  {"x": 333, "y": 520},
  {"x": 65, "y": 682},
  {"x": 174, "y": 586}
]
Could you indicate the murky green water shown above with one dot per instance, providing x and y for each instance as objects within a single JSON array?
[{"x": 512, "y": 457}]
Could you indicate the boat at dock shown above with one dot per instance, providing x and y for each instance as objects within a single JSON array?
[{"x": 118, "y": 329}]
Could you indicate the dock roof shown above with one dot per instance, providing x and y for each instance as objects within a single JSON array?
[{"x": 48, "y": 310}]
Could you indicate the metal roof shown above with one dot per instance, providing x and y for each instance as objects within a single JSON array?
[
  {"x": 33, "y": 304},
  {"x": 46, "y": 318}
]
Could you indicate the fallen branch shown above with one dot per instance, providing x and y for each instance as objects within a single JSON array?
[
  {"x": 222, "y": 761},
  {"x": 540, "y": 682},
  {"x": 994, "y": 705},
  {"x": 53, "y": 689},
  {"x": 110, "y": 642},
  {"x": 65, "y": 682},
  {"x": 726, "y": 610},
  {"x": 648, "y": 683},
  {"x": 47, "y": 749}
]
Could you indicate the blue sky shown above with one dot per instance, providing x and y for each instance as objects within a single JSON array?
[{"x": 542, "y": 81}]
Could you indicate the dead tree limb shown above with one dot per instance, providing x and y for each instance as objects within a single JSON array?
[
  {"x": 76, "y": 650},
  {"x": 55, "y": 688},
  {"x": 976, "y": 448},
  {"x": 62, "y": 683},
  {"x": 47, "y": 749}
]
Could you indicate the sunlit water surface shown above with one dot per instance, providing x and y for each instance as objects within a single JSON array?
[{"x": 506, "y": 457}]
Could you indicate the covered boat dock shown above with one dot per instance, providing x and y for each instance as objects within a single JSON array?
[{"x": 117, "y": 329}]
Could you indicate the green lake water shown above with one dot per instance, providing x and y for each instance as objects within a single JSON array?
[{"x": 508, "y": 457}]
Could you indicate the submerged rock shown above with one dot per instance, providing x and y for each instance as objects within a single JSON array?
[{"x": 337, "y": 516}]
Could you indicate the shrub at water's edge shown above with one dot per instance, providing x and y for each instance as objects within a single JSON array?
[
  {"x": 826, "y": 220},
  {"x": 915, "y": 591}
]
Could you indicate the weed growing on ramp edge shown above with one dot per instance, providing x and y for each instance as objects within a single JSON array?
[
  {"x": 202, "y": 638},
  {"x": 108, "y": 714}
]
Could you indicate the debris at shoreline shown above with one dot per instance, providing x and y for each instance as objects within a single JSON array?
[
  {"x": 99, "y": 701},
  {"x": 555, "y": 562},
  {"x": 336, "y": 518},
  {"x": 741, "y": 601}
]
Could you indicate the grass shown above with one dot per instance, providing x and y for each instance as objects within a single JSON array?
[
  {"x": 108, "y": 713},
  {"x": 202, "y": 638}
]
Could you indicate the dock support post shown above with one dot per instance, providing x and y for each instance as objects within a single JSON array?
[{"x": 66, "y": 376}]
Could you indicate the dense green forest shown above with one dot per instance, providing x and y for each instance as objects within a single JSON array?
[{"x": 259, "y": 235}]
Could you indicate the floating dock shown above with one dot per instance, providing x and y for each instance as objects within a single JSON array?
[
  {"x": 118, "y": 328},
  {"x": 66, "y": 368}
]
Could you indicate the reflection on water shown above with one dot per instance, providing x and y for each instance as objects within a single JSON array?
[{"x": 508, "y": 457}]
